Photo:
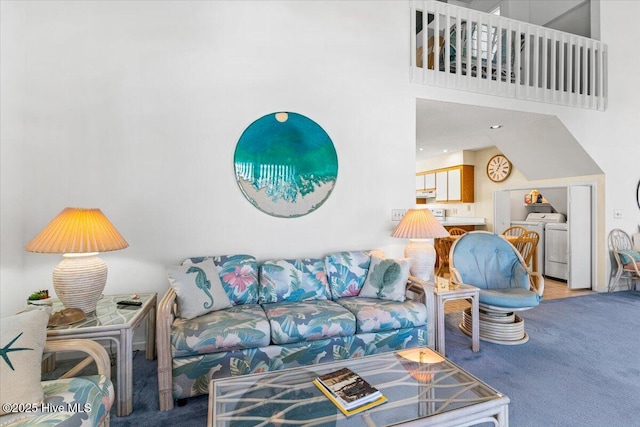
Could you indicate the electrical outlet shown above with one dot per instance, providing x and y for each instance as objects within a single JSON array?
[
  {"x": 617, "y": 213},
  {"x": 397, "y": 214},
  {"x": 455, "y": 211}
]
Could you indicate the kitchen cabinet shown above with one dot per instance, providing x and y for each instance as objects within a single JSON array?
[
  {"x": 452, "y": 185},
  {"x": 425, "y": 181}
]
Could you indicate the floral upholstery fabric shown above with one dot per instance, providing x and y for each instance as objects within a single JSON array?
[
  {"x": 293, "y": 280},
  {"x": 191, "y": 375},
  {"x": 233, "y": 328},
  {"x": 238, "y": 274},
  {"x": 346, "y": 272},
  {"x": 308, "y": 321},
  {"x": 375, "y": 315},
  {"x": 86, "y": 397}
]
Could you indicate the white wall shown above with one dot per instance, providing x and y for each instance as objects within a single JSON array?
[{"x": 136, "y": 108}]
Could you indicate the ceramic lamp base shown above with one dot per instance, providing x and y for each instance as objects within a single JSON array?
[
  {"x": 79, "y": 280},
  {"x": 423, "y": 254}
]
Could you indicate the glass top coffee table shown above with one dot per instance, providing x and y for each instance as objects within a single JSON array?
[{"x": 422, "y": 387}]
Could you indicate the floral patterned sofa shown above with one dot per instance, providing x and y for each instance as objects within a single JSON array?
[{"x": 283, "y": 314}]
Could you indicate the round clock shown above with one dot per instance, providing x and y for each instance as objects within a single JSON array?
[{"x": 498, "y": 168}]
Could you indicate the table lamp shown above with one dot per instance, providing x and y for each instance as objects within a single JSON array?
[
  {"x": 79, "y": 234},
  {"x": 418, "y": 225}
]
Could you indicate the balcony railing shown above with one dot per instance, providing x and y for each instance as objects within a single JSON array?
[{"x": 479, "y": 52}]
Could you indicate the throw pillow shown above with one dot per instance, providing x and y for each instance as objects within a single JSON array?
[
  {"x": 198, "y": 288},
  {"x": 22, "y": 339},
  {"x": 386, "y": 279}
]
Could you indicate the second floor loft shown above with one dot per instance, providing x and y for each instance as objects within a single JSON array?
[{"x": 464, "y": 49}]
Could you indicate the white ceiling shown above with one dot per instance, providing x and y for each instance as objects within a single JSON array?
[
  {"x": 454, "y": 127},
  {"x": 537, "y": 144}
]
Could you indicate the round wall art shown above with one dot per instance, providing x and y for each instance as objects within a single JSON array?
[{"x": 285, "y": 164}]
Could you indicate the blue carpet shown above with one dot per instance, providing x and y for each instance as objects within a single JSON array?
[{"x": 580, "y": 368}]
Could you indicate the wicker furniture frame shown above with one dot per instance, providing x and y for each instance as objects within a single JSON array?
[
  {"x": 432, "y": 392},
  {"x": 500, "y": 325},
  {"x": 619, "y": 240},
  {"x": 109, "y": 322}
]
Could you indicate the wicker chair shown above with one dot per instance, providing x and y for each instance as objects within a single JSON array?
[
  {"x": 526, "y": 245},
  {"x": 514, "y": 231},
  {"x": 623, "y": 253},
  {"x": 489, "y": 262},
  {"x": 443, "y": 247},
  {"x": 455, "y": 231}
]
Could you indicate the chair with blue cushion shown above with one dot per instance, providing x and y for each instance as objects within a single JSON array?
[
  {"x": 626, "y": 259},
  {"x": 489, "y": 262}
]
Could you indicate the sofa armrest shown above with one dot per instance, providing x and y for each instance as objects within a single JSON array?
[
  {"x": 95, "y": 353},
  {"x": 165, "y": 316},
  {"x": 423, "y": 291}
]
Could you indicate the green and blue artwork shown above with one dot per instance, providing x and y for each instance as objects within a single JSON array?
[{"x": 285, "y": 164}]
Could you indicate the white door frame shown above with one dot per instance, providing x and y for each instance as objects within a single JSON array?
[{"x": 595, "y": 242}]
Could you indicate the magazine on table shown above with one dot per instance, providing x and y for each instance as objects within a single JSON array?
[{"x": 349, "y": 391}]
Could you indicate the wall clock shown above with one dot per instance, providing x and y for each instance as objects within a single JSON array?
[{"x": 498, "y": 168}]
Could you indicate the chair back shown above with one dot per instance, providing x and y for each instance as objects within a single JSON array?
[
  {"x": 514, "y": 231},
  {"x": 525, "y": 244},
  {"x": 443, "y": 247},
  {"x": 455, "y": 231},
  {"x": 487, "y": 261}
]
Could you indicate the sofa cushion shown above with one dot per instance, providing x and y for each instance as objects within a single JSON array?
[
  {"x": 375, "y": 315},
  {"x": 237, "y": 327},
  {"x": 386, "y": 279},
  {"x": 198, "y": 288},
  {"x": 346, "y": 272},
  {"x": 293, "y": 280},
  {"x": 238, "y": 274},
  {"x": 308, "y": 321},
  {"x": 22, "y": 339},
  {"x": 84, "y": 397}
]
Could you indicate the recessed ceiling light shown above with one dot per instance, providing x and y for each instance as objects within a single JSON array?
[
  {"x": 421, "y": 149},
  {"x": 445, "y": 151},
  {"x": 495, "y": 127}
]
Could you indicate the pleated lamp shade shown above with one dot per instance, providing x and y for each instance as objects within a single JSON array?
[
  {"x": 79, "y": 234},
  {"x": 419, "y": 225}
]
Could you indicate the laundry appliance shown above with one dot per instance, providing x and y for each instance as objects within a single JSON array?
[{"x": 536, "y": 221}]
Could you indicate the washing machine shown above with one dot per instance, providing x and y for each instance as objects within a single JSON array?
[
  {"x": 556, "y": 262},
  {"x": 536, "y": 221}
]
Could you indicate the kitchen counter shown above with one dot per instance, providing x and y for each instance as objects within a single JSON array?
[{"x": 459, "y": 220}]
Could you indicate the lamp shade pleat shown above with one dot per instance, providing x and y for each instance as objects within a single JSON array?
[
  {"x": 419, "y": 224},
  {"x": 77, "y": 230}
]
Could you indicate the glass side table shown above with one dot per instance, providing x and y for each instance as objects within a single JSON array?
[
  {"x": 466, "y": 292},
  {"x": 116, "y": 323}
]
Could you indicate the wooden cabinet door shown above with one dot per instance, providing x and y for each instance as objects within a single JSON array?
[
  {"x": 454, "y": 185},
  {"x": 420, "y": 183},
  {"x": 441, "y": 186},
  {"x": 430, "y": 181}
]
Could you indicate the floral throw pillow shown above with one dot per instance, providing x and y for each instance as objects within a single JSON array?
[
  {"x": 386, "y": 279},
  {"x": 22, "y": 339},
  {"x": 198, "y": 288}
]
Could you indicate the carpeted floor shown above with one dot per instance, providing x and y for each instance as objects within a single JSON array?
[{"x": 581, "y": 367}]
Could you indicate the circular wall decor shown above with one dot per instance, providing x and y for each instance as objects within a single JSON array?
[
  {"x": 285, "y": 164},
  {"x": 498, "y": 168},
  {"x": 638, "y": 194}
]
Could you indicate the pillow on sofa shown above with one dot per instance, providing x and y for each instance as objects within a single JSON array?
[
  {"x": 198, "y": 288},
  {"x": 22, "y": 339},
  {"x": 387, "y": 279},
  {"x": 346, "y": 272}
]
